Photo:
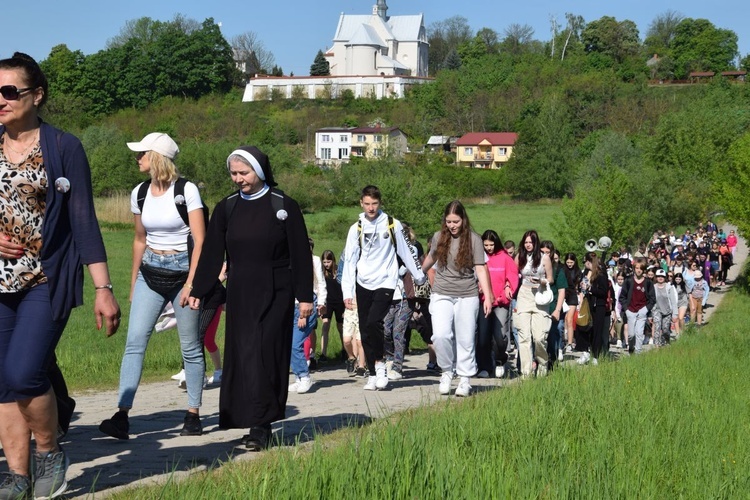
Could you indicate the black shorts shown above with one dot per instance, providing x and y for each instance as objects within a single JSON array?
[{"x": 338, "y": 309}]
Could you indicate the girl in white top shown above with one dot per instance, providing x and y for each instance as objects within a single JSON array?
[
  {"x": 161, "y": 242},
  {"x": 458, "y": 253},
  {"x": 532, "y": 320}
]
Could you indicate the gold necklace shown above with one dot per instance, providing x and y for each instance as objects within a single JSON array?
[{"x": 24, "y": 152}]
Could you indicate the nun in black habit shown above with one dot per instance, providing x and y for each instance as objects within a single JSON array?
[{"x": 269, "y": 265}]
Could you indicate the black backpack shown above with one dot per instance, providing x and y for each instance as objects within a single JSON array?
[{"x": 180, "y": 205}]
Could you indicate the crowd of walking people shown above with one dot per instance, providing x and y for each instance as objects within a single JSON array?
[{"x": 473, "y": 299}]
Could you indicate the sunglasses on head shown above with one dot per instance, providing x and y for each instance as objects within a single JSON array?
[{"x": 12, "y": 93}]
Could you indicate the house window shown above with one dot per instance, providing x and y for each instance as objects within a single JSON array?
[
  {"x": 378, "y": 138},
  {"x": 343, "y": 152},
  {"x": 325, "y": 153},
  {"x": 343, "y": 138},
  {"x": 375, "y": 152},
  {"x": 502, "y": 151},
  {"x": 326, "y": 138},
  {"x": 468, "y": 151},
  {"x": 361, "y": 138}
]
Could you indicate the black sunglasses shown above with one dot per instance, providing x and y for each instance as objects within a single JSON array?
[
  {"x": 140, "y": 155},
  {"x": 12, "y": 93}
]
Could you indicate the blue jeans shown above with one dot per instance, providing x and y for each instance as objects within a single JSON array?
[
  {"x": 28, "y": 337},
  {"x": 144, "y": 311},
  {"x": 298, "y": 362}
]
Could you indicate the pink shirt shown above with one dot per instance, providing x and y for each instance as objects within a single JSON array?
[{"x": 503, "y": 270}]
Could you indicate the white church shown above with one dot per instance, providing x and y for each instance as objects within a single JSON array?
[
  {"x": 373, "y": 55},
  {"x": 377, "y": 44}
]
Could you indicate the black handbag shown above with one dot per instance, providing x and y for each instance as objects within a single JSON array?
[{"x": 163, "y": 280}]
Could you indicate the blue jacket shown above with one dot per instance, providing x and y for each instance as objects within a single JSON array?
[{"x": 70, "y": 231}]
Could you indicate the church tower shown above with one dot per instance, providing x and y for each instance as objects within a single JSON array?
[{"x": 380, "y": 10}]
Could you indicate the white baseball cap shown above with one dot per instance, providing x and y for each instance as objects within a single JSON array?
[{"x": 156, "y": 141}]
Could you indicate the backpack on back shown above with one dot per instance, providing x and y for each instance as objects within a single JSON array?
[{"x": 180, "y": 204}]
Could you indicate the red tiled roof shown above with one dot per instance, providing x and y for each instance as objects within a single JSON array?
[
  {"x": 701, "y": 73},
  {"x": 733, "y": 73},
  {"x": 494, "y": 138}
]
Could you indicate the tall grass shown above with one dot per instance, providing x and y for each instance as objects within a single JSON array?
[{"x": 673, "y": 423}]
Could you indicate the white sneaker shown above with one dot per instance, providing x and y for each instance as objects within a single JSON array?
[
  {"x": 445, "y": 384},
  {"x": 179, "y": 375},
  {"x": 499, "y": 371},
  {"x": 560, "y": 356},
  {"x": 619, "y": 344},
  {"x": 483, "y": 374},
  {"x": 541, "y": 370},
  {"x": 371, "y": 385},
  {"x": 381, "y": 380},
  {"x": 305, "y": 383},
  {"x": 394, "y": 375},
  {"x": 585, "y": 357},
  {"x": 594, "y": 361},
  {"x": 651, "y": 341},
  {"x": 464, "y": 388},
  {"x": 215, "y": 378},
  {"x": 294, "y": 386}
]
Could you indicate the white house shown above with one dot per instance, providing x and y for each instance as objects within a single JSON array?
[
  {"x": 378, "y": 44},
  {"x": 333, "y": 145},
  {"x": 337, "y": 145}
]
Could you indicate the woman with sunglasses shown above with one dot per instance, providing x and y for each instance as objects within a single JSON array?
[
  {"x": 162, "y": 271},
  {"x": 48, "y": 231}
]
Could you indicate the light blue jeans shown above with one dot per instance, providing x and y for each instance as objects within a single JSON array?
[
  {"x": 299, "y": 363},
  {"x": 144, "y": 311}
]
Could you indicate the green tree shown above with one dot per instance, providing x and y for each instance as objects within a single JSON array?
[
  {"x": 517, "y": 38},
  {"x": 542, "y": 163},
  {"x": 452, "y": 60},
  {"x": 734, "y": 184},
  {"x": 63, "y": 69},
  {"x": 698, "y": 45},
  {"x": 616, "y": 39},
  {"x": 661, "y": 32},
  {"x": 320, "y": 66},
  {"x": 745, "y": 63},
  {"x": 445, "y": 36}
]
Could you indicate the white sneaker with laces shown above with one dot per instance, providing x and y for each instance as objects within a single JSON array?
[
  {"x": 585, "y": 357},
  {"x": 560, "y": 356},
  {"x": 179, "y": 375},
  {"x": 464, "y": 388},
  {"x": 370, "y": 385},
  {"x": 381, "y": 380},
  {"x": 445, "y": 383},
  {"x": 305, "y": 383},
  {"x": 499, "y": 371},
  {"x": 619, "y": 344},
  {"x": 394, "y": 375}
]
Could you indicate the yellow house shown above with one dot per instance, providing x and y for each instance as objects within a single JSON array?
[
  {"x": 485, "y": 149},
  {"x": 377, "y": 142}
]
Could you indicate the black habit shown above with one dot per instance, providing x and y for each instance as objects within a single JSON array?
[{"x": 269, "y": 266}]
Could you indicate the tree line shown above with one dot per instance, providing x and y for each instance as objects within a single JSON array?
[{"x": 625, "y": 156}]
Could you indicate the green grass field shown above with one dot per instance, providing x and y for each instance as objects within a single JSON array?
[{"x": 90, "y": 360}]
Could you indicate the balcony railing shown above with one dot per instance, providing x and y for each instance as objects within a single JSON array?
[{"x": 483, "y": 156}]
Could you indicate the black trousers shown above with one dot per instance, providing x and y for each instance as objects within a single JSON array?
[{"x": 372, "y": 307}]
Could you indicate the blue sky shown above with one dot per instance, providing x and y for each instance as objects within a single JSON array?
[{"x": 294, "y": 30}]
